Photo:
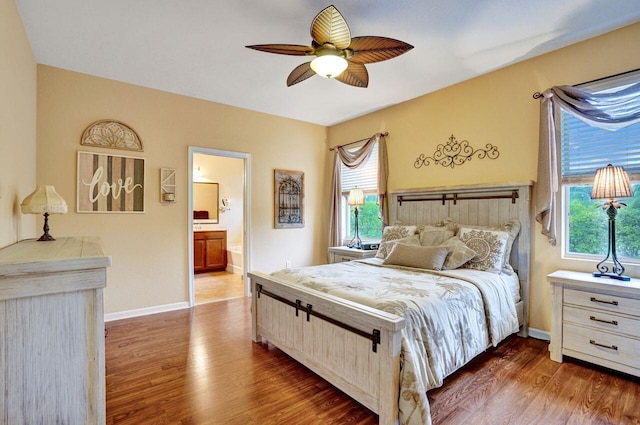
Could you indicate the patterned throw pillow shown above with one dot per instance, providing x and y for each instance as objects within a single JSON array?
[
  {"x": 386, "y": 247},
  {"x": 512, "y": 227},
  {"x": 391, "y": 233},
  {"x": 459, "y": 253},
  {"x": 489, "y": 247},
  {"x": 420, "y": 257}
]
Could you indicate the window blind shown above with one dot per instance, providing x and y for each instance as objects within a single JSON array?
[
  {"x": 585, "y": 148},
  {"x": 365, "y": 176}
]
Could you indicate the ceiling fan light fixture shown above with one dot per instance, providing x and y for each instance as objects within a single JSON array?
[
  {"x": 338, "y": 55},
  {"x": 329, "y": 65}
]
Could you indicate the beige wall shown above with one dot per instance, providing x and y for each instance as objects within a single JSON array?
[
  {"x": 149, "y": 251},
  {"x": 495, "y": 108},
  {"x": 17, "y": 126}
]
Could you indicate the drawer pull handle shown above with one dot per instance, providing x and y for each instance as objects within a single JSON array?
[
  {"x": 610, "y": 347},
  {"x": 611, "y": 322},
  {"x": 595, "y": 300}
]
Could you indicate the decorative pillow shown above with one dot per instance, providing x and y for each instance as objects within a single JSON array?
[
  {"x": 385, "y": 247},
  {"x": 489, "y": 247},
  {"x": 421, "y": 257},
  {"x": 391, "y": 233},
  {"x": 459, "y": 253},
  {"x": 433, "y": 236},
  {"x": 512, "y": 227}
]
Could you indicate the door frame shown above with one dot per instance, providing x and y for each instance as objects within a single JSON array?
[{"x": 246, "y": 219}]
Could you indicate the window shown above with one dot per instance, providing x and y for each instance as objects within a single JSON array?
[
  {"x": 583, "y": 150},
  {"x": 366, "y": 178}
]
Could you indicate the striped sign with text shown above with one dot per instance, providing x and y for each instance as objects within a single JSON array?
[{"x": 110, "y": 183}]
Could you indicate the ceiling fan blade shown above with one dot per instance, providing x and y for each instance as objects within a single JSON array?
[
  {"x": 355, "y": 75},
  {"x": 283, "y": 49},
  {"x": 300, "y": 73},
  {"x": 329, "y": 26},
  {"x": 376, "y": 49}
]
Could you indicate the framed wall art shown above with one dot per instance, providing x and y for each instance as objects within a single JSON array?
[
  {"x": 110, "y": 183},
  {"x": 288, "y": 199}
]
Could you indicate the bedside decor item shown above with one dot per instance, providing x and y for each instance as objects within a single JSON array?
[
  {"x": 456, "y": 153},
  {"x": 288, "y": 199},
  {"x": 44, "y": 200},
  {"x": 610, "y": 183},
  {"x": 356, "y": 198},
  {"x": 111, "y": 134},
  {"x": 110, "y": 183},
  {"x": 337, "y": 54},
  {"x": 167, "y": 185}
]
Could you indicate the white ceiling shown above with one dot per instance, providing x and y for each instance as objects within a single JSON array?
[{"x": 196, "y": 47}]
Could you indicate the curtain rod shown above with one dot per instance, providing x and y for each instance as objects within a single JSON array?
[
  {"x": 385, "y": 134},
  {"x": 538, "y": 95}
]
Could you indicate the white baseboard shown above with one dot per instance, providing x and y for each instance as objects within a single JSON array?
[
  {"x": 538, "y": 334},
  {"x": 145, "y": 311},
  {"x": 234, "y": 269}
]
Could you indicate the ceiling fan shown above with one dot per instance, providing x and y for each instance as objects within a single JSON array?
[{"x": 338, "y": 55}]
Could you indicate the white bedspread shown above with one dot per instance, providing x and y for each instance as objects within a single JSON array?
[{"x": 451, "y": 317}]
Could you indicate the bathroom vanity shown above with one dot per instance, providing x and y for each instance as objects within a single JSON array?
[{"x": 209, "y": 250}]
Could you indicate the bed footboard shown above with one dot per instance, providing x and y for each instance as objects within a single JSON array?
[{"x": 354, "y": 347}]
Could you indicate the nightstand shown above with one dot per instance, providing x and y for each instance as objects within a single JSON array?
[
  {"x": 595, "y": 320},
  {"x": 338, "y": 254}
]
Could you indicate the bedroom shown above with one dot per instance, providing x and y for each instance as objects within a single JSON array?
[{"x": 47, "y": 108}]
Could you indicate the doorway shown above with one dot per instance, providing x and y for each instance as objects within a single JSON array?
[{"x": 222, "y": 228}]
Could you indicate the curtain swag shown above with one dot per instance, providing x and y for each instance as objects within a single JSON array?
[
  {"x": 354, "y": 158},
  {"x": 609, "y": 111}
]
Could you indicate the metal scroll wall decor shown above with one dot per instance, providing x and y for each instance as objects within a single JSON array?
[
  {"x": 455, "y": 153},
  {"x": 288, "y": 199}
]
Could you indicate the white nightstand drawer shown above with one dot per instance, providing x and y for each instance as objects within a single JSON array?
[
  {"x": 602, "y": 320},
  {"x": 341, "y": 258},
  {"x": 612, "y": 303},
  {"x": 338, "y": 254},
  {"x": 604, "y": 345}
]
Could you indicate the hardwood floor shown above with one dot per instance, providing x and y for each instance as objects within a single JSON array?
[
  {"x": 199, "y": 366},
  {"x": 216, "y": 286}
]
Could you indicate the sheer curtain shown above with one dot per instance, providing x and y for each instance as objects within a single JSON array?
[
  {"x": 610, "y": 111},
  {"x": 353, "y": 159}
]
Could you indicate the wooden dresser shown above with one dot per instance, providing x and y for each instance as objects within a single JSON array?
[
  {"x": 209, "y": 250},
  {"x": 52, "y": 332},
  {"x": 596, "y": 320}
]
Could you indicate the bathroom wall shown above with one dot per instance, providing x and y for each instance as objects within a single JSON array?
[{"x": 229, "y": 174}]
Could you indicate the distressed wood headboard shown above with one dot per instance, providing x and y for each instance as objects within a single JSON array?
[{"x": 487, "y": 204}]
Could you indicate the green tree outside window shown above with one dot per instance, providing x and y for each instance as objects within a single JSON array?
[{"x": 369, "y": 223}]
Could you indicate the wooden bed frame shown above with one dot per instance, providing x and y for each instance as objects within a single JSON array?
[{"x": 357, "y": 348}]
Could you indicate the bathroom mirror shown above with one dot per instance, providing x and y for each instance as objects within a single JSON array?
[{"x": 205, "y": 202}]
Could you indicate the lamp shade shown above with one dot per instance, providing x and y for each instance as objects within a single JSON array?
[
  {"x": 329, "y": 65},
  {"x": 356, "y": 196},
  {"x": 44, "y": 199},
  {"x": 611, "y": 182}
]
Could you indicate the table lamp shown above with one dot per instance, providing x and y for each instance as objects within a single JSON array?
[
  {"x": 610, "y": 183},
  {"x": 44, "y": 200},
  {"x": 356, "y": 198}
]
